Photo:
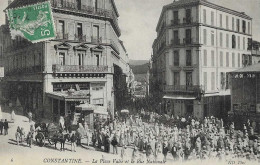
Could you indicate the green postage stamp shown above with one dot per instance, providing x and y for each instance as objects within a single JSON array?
[{"x": 34, "y": 22}]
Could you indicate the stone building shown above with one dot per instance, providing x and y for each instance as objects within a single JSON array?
[
  {"x": 51, "y": 78},
  {"x": 197, "y": 43}
]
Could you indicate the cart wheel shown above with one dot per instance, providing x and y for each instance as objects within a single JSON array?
[
  {"x": 40, "y": 139},
  {"x": 51, "y": 141}
]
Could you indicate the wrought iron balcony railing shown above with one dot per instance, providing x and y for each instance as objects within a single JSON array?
[
  {"x": 182, "y": 88},
  {"x": 175, "y": 41},
  {"x": 113, "y": 44},
  {"x": 96, "y": 40},
  {"x": 65, "y": 5},
  {"x": 175, "y": 22},
  {"x": 188, "y": 20},
  {"x": 80, "y": 68}
]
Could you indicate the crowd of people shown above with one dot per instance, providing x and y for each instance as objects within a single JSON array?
[{"x": 187, "y": 139}]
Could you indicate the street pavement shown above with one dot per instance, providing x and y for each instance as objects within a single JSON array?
[{"x": 11, "y": 153}]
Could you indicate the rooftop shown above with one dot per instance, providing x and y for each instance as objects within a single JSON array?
[{"x": 252, "y": 68}]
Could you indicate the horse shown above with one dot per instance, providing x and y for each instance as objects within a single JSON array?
[{"x": 60, "y": 137}]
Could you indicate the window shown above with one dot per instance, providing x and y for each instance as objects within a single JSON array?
[
  {"x": 205, "y": 36},
  {"x": 81, "y": 58},
  {"x": 233, "y": 23},
  {"x": 227, "y": 59},
  {"x": 188, "y": 78},
  {"x": 238, "y": 60},
  {"x": 96, "y": 31},
  {"x": 176, "y": 79},
  {"x": 188, "y": 58},
  {"x": 221, "y": 39},
  {"x": 244, "y": 43},
  {"x": 188, "y": 15},
  {"x": 227, "y": 40},
  {"x": 176, "y": 37},
  {"x": 212, "y": 58},
  {"x": 233, "y": 60},
  {"x": 204, "y": 16},
  {"x": 238, "y": 42},
  {"x": 176, "y": 58},
  {"x": 244, "y": 26},
  {"x": 95, "y": 4},
  {"x": 227, "y": 22},
  {"x": 248, "y": 27},
  {"x": 176, "y": 17},
  {"x": 61, "y": 58},
  {"x": 79, "y": 4},
  {"x": 97, "y": 58},
  {"x": 220, "y": 20},
  {"x": 212, "y": 81},
  {"x": 205, "y": 77},
  {"x": 212, "y": 18},
  {"x": 60, "y": 29},
  {"x": 188, "y": 36},
  {"x": 212, "y": 38},
  {"x": 222, "y": 80},
  {"x": 79, "y": 30},
  {"x": 221, "y": 58},
  {"x": 205, "y": 58},
  {"x": 233, "y": 41},
  {"x": 238, "y": 25}
]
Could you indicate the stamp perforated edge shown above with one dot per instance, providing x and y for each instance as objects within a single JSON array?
[{"x": 50, "y": 10}]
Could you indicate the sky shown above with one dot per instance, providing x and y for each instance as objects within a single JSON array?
[{"x": 138, "y": 20}]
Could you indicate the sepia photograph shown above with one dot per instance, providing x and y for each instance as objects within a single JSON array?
[{"x": 130, "y": 82}]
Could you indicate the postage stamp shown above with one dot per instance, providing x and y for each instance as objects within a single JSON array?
[{"x": 34, "y": 22}]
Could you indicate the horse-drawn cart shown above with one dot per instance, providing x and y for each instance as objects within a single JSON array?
[{"x": 46, "y": 133}]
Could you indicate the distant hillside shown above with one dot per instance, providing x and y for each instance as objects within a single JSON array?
[
  {"x": 138, "y": 62},
  {"x": 140, "y": 69}
]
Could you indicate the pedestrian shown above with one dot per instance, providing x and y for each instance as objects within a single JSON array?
[
  {"x": 6, "y": 126},
  {"x": 94, "y": 139},
  {"x": 123, "y": 152},
  {"x": 114, "y": 143},
  {"x": 30, "y": 117},
  {"x": 13, "y": 116},
  {"x": 73, "y": 142},
  {"x": 165, "y": 150},
  {"x": 30, "y": 139},
  {"x": 1, "y": 126}
]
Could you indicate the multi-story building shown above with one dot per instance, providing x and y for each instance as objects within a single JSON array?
[
  {"x": 79, "y": 66},
  {"x": 197, "y": 43}
]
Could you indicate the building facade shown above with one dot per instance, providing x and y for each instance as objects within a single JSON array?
[
  {"x": 197, "y": 43},
  {"x": 50, "y": 78}
]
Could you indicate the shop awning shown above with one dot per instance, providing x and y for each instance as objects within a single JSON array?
[
  {"x": 100, "y": 110},
  {"x": 221, "y": 93},
  {"x": 179, "y": 97},
  {"x": 85, "y": 107},
  {"x": 64, "y": 96}
]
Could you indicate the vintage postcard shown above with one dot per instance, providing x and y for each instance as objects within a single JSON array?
[{"x": 100, "y": 82}]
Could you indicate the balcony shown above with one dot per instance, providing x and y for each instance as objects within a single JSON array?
[
  {"x": 114, "y": 46},
  {"x": 187, "y": 20},
  {"x": 96, "y": 40},
  {"x": 175, "y": 22},
  {"x": 61, "y": 36},
  {"x": 188, "y": 41},
  {"x": 80, "y": 68},
  {"x": 182, "y": 88},
  {"x": 80, "y": 38},
  {"x": 90, "y": 10},
  {"x": 175, "y": 41}
]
